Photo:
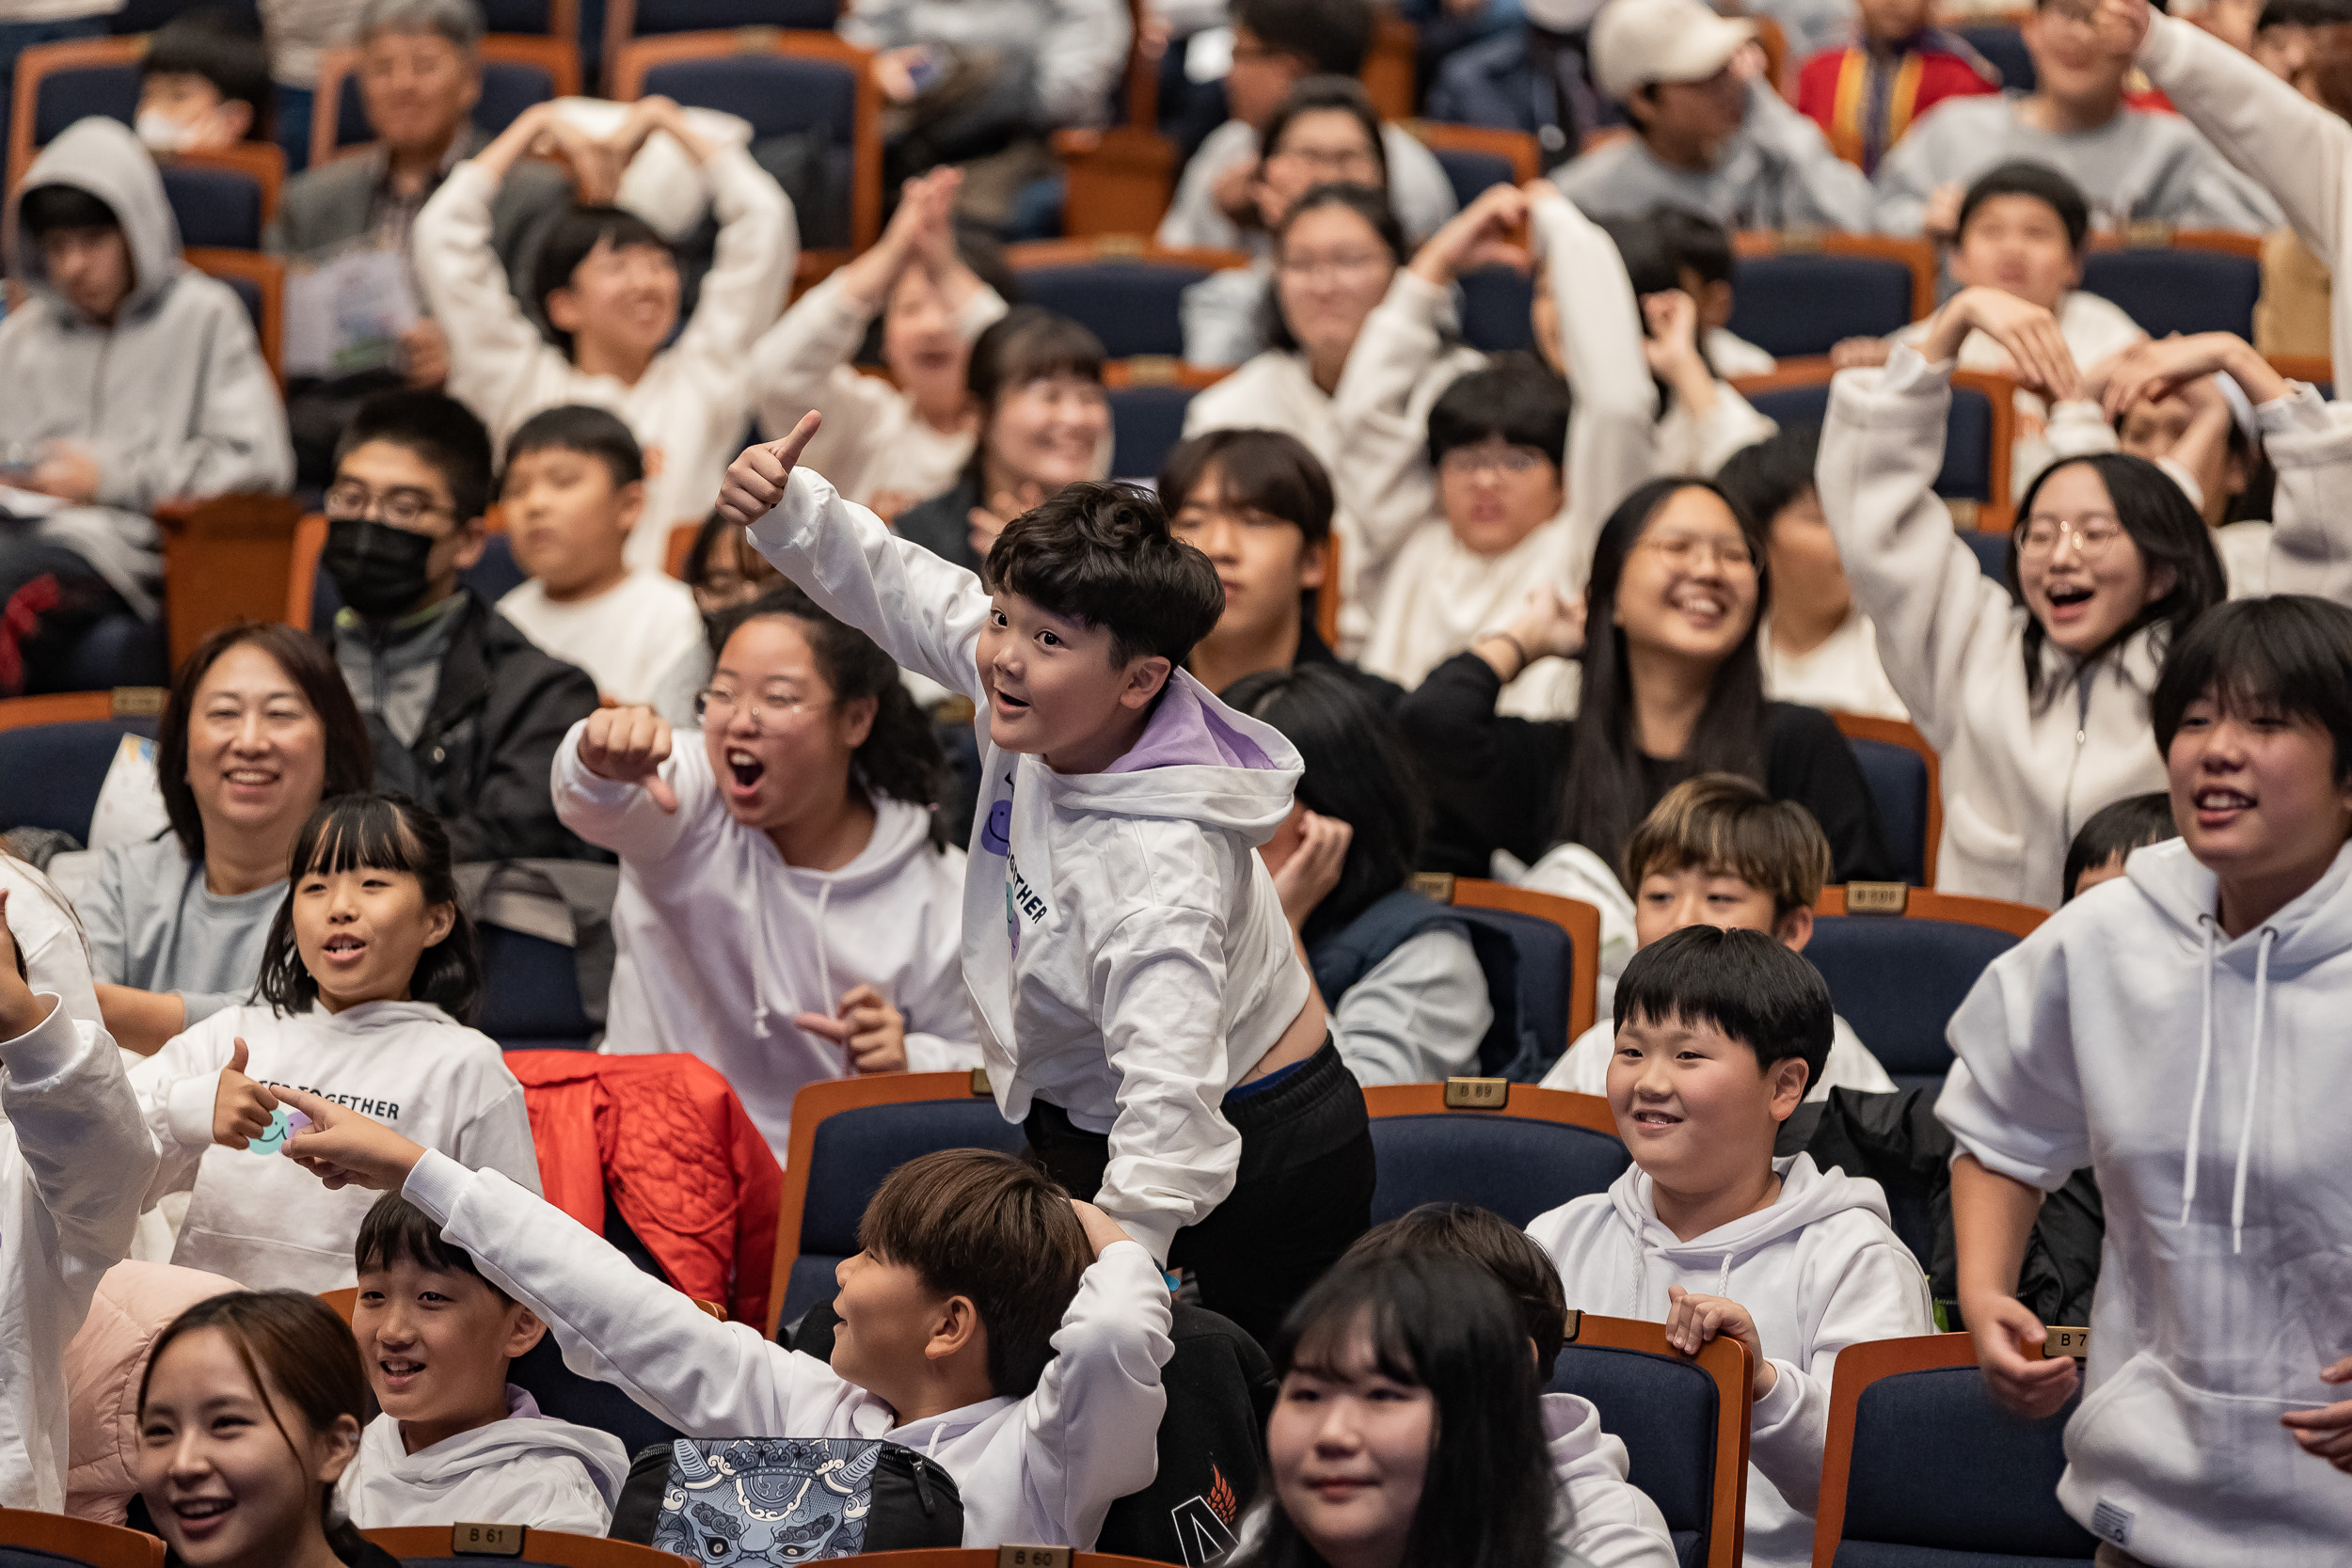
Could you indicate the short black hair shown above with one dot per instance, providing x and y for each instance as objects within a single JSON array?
[
  {"x": 1746, "y": 984},
  {"x": 1775, "y": 472},
  {"x": 1366, "y": 203},
  {"x": 1320, "y": 94},
  {"x": 212, "y": 44},
  {"x": 438, "y": 428},
  {"x": 1260, "y": 470},
  {"x": 1695, "y": 240},
  {"x": 1333, "y": 36},
  {"x": 1515, "y": 398},
  {"x": 2117, "y": 828},
  {"x": 594, "y": 433},
  {"x": 2288, "y": 656},
  {"x": 383, "y": 832},
  {"x": 2303, "y": 13},
  {"x": 1651, "y": 265},
  {"x": 2023, "y": 177},
  {"x": 1470, "y": 1234},
  {"x": 565, "y": 243},
  {"x": 1103, "y": 555},
  {"x": 396, "y": 1231},
  {"x": 56, "y": 209}
]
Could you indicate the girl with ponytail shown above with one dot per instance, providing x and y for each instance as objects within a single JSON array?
[
  {"x": 788, "y": 910},
  {"x": 249, "y": 1412}
]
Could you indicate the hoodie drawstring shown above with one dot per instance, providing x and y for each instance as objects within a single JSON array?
[
  {"x": 2204, "y": 1068},
  {"x": 1723, "y": 1278},
  {"x": 2253, "y": 1080}
]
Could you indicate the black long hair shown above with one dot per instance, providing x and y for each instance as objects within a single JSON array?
[
  {"x": 1488, "y": 1498},
  {"x": 384, "y": 832},
  {"x": 1357, "y": 770},
  {"x": 2166, "y": 531},
  {"x": 1604, "y": 794},
  {"x": 900, "y": 757}
]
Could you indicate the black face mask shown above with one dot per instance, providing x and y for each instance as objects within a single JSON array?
[{"x": 378, "y": 569}]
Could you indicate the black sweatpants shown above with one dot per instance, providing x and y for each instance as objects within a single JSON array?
[{"x": 1302, "y": 1195}]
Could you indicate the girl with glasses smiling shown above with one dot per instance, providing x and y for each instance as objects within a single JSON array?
[
  {"x": 2035, "y": 692},
  {"x": 787, "y": 910}
]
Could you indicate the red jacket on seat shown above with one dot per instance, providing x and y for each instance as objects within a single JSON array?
[{"x": 665, "y": 1135}]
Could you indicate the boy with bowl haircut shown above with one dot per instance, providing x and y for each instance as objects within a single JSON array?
[
  {"x": 455, "y": 1440},
  {"x": 1718, "y": 1033},
  {"x": 1144, "y": 1008},
  {"x": 1003, "y": 1330},
  {"x": 1718, "y": 850},
  {"x": 574, "y": 488}
]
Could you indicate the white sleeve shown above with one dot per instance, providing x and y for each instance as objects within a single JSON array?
[
  {"x": 925, "y": 613},
  {"x": 1079, "y": 58},
  {"x": 1938, "y": 616},
  {"x": 2310, "y": 445},
  {"x": 621, "y": 1325},
  {"x": 79, "y": 1132},
  {"x": 1380, "y": 475},
  {"x": 1732, "y": 425},
  {"x": 1191, "y": 217},
  {"x": 496, "y": 355},
  {"x": 1876, "y": 1292},
  {"x": 758, "y": 246},
  {"x": 2015, "y": 1097},
  {"x": 622, "y": 818},
  {"x": 176, "y": 1088},
  {"x": 498, "y": 1138},
  {"x": 1613, "y": 429},
  {"x": 1092, "y": 1423},
  {"x": 1418, "y": 1015},
  {"x": 1583, "y": 1068}
]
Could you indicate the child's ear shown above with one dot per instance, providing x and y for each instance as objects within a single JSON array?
[
  {"x": 474, "y": 538},
  {"x": 1789, "y": 1076},
  {"x": 629, "y": 504},
  {"x": 523, "y": 1330},
  {"x": 857, "y": 720},
  {"x": 1314, "y": 562},
  {"x": 562, "y": 309},
  {"x": 1146, "y": 675},
  {"x": 1795, "y": 928},
  {"x": 956, "y": 1328},
  {"x": 439, "y": 920}
]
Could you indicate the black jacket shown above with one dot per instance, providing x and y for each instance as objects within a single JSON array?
[
  {"x": 942, "y": 525},
  {"x": 485, "y": 754}
]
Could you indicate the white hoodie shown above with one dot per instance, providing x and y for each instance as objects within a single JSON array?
[
  {"x": 1608, "y": 1521},
  {"x": 1124, "y": 944},
  {"x": 2022, "y": 773},
  {"x": 265, "y": 1222},
  {"x": 1042, "y": 1470},
  {"x": 2203, "y": 1080},
  {"x": 74, "y": 1160},
  {"x": 528, "y": 1470},
  {"x": 1818, "y": 1270},
  {"x": 721, "y": 942}
]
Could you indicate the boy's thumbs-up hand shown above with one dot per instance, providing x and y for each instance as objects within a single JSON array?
[
  {"x": 242, "y": 1108},
  {"x": 343, "y": 1149},
  {"x": 754, "y": 482}
]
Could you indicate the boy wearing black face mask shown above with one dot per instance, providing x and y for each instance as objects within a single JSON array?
[{"x": 465, "y": 712}]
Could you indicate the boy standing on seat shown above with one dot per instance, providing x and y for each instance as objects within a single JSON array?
[
  {"x": 1719, "y": 1032},
  {"x": 1144, "y": 1009}
]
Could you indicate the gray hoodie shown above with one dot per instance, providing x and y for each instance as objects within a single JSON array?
[
  {"x": 528, "y": 1470},
  {"x": 174, "y": 398}
]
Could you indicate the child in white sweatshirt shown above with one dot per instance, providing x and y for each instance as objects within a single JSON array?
[
  {"x": 607, "y": 286},
  {"x": 455, "y": 1440},
  {"x": 1143, "y": 1006},
  {"x": 992, "y": 1323},
  {"x": 889, "y": 443},
  {"x": 367, "y": 963},
  {"x": 2180, "y": 1032},
  {"x": 74, "y": 1158},
  {"x": 1605, "y": 1521},
  {"x": 1719, "y": 1034},
  {"x": 787, "y": 912},
  {"x": 1718, "y": 850}
]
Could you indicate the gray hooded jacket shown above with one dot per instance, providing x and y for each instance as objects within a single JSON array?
[{"x": 174, "y": 398}]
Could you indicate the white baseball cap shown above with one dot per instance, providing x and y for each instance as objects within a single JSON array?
[{"x": 1635, "y": 42}]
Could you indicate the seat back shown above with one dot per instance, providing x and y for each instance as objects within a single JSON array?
[
  {"x": 49, "y": 774},
  {"x": 1536, "y": 1150},
  {"x": 846, "y": 1135},
  {"x": 466, "y": 1545},
  {"x": 1897, "y": 979},
  {"x": 1580, "y": 922},
  {"x": 1923, "y": 1469},
  {"x": 1804, "y": 302},
  {"x": 2178, "y": 290},
  {"x": 1991, "y": 552},
  {"x": 1147, "y": 422},
  {"x": 545, "y": 18},
  {"x": 1132, "y": 301},
  {"x": 628, "y": 19},
  {"x": 1495, "y": 305},
  {"x": 2004, "y": 46},
  {"x": 36, "y": 1540},
  {"x": 1683, "y": 1421},
  {"x": 1905, "y": 781},
  {"x": 531, "y": 997},
  {"x": 219, "y": 207},
  {"x": 58, "y": 83},
  {"x": 1978, "y": 429}
]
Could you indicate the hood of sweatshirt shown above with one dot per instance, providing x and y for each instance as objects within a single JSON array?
[
  {"x": 2308, "y": 930},
  {"x": 105, "y": 158},
  {"x": 525, "y": 1434},
  {"x": 1196, "y": 761},
  {"x": 1807, "y": 1195}
]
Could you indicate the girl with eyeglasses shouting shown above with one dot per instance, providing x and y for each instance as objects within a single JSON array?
[
  {"x": 789, "y": 911},
  {"x": 2035, "y": 692}
]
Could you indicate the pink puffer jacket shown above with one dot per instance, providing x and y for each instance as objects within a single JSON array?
[{"x": 102, "y": 1367}]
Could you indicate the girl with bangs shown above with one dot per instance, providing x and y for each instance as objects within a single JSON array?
[
  {"x": 369, "y": 970},
  {"x": 1407, "y": 1428}
]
